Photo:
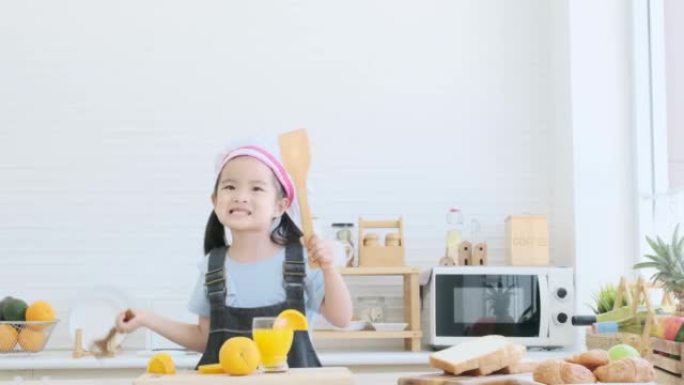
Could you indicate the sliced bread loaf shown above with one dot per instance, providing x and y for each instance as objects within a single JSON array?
[{"x": 479, "y": 356}]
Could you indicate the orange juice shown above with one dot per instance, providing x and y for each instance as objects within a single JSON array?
[{"x": 274, "y": 344}]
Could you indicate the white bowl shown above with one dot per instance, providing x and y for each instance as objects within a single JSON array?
[{"x": 389, "y": 326}]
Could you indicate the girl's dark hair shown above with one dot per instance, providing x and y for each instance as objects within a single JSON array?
[{"x": 214, "y": 235}]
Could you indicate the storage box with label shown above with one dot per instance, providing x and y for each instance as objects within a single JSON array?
[{"x": 527, "y": 240}]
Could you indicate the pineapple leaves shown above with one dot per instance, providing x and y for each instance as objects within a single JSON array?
[{"x": 667, "y": 261}]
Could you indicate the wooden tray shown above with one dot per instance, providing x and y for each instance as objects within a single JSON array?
[
  {"x": 299, "y": 376},
  {"x": 445, "y": 379},
  {"x": 513, "y": 379}
]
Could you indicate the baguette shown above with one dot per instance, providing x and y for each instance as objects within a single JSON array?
[
  {"x": 479, "y": 356},
  {"x": 556, "y": 372},
  {"x": 591, "y": 359},
  {"x": 630, "y": 369}
]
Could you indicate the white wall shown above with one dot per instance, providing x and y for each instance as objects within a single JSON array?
[
  {"x": 603, "y": 160},
  {"x": 674, "y": 63},
  {"x": 111, "y": 114}
]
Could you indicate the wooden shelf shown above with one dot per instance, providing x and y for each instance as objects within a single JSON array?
[
  {"x": 332, "y": 334},
  {"x": 411, "y": 337},
  {"x": 398, "y": 270}
]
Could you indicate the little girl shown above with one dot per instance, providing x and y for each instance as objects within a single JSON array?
[{"x": 263, "y": 270}]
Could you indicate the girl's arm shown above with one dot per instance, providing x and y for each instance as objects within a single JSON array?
[
  {"x": 337, "y": 304},
  {"x": 191, "y": 336}
]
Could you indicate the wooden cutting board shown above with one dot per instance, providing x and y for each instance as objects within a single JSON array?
[
  {"x": 298, "y": 376},
  {"x": 443, "y": 379}
]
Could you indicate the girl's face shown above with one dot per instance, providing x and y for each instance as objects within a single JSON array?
[{"x": 248, "y": 197}]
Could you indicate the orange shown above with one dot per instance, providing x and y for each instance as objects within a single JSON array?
[
  {"x": 239, "y": 356},
  {"x": 291, "y": 319},
  {"x": 210, "y": 369},
  {"x": 39, "y": 311},
  {"x": 32, "y": 340},
  {"x": 8, "y": 338},
  {"x": 161, "y": 363}
]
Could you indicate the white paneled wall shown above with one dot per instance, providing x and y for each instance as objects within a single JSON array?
[{"x": 111, "y": 115}]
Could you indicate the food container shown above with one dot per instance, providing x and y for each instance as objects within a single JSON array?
[
  {"x": 392, "y": 239},
  {"x": 371, "y": 309},
  {"x": 25, "y": 336}
]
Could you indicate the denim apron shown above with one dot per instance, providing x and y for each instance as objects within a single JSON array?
[{"x": 227, "y": 321}]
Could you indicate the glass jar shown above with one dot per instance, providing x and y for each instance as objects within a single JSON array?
[
  {"x": 345, "y": 235},
  {"x": 371, "y": 308}
]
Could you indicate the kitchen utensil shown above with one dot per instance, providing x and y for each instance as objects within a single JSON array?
[
  {"x": 94, "y": 313},
  {"x": 294, "y": 150},
  {"x": 299, "y": 376},
  {"x": 107, "y": 345}
]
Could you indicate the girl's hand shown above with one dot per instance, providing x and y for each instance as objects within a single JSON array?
[
  {"x": 130, "y": 320},
  {"x": 320, "y": 251}
]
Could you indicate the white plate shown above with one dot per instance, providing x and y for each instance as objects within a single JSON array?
[
  {"x": 353, "y": 326},
  {"x": 95, "y": 314},
  {"x": 389, "y": 326}
]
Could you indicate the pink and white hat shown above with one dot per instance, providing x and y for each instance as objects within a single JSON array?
[
  {"x": 267, "y": 158},
  {"x": 267, "y": 150}
]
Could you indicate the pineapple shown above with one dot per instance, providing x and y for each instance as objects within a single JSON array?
[
  {"x": 499, "y": 299},
  {"x": 668, "y": 261}
]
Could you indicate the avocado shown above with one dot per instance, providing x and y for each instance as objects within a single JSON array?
[
  {"x": 2, "y": 303},
  {"x": 14, "y": 309}
]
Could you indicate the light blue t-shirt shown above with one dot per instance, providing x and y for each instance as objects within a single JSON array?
[{"x": 256, "y": 284}]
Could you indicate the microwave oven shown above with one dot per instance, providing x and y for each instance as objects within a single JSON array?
[{"x": 530, "y": 305}]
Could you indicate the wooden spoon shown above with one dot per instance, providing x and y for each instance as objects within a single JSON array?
[
  {"x": 294, "y": 150},
  {"x": 105, "y": 345}
]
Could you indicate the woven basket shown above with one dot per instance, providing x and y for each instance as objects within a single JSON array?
[
  {"x": 608, "y": 340},
  {"x": 639, "y": 341}
]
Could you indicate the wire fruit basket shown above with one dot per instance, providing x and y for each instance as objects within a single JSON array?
[{"x": 25, "y": 336}]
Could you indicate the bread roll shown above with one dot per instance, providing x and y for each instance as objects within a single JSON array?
[
  {"x": 591, "y": 359},
  {"x": 556, "y": 372},
  {"x": 630, "y": 369}
]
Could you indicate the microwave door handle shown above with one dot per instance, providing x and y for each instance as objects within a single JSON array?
[{"x": 544, "y": 299}]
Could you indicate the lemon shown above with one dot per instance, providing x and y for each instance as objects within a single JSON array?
[
  {"x": 291, "y": 319},
  {"x": 161, "y": 363},
  {"x": 39, "y": 311},
  {"x": 210, "y": 369},
  {"x": 8, "y": 338},
  {"x": 32, "y": 340},
  {"x": 239, "y": 356}
]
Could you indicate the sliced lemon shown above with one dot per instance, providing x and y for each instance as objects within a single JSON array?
[
  {"x": 161, "y": 363},
  {"x": 210, "y": 369},
  {"x": 291, "y": 319}
]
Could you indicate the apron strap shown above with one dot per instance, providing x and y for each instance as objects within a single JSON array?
[
  {"x": 215, "y": 278},
  {"x": 294, "y": 271}
]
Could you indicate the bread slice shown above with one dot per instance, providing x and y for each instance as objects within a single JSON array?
[
  {"x": 479, "y": 356},
  {"x": 522, "y": 366}
]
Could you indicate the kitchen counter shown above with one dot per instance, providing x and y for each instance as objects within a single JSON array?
[
  {"x": 61, "y": 359},
  {"x": 360, "y": 379}
]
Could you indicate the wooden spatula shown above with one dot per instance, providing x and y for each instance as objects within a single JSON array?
[
  {"x": 294, "y": 149},
  {"x": 106, "y": 345}
]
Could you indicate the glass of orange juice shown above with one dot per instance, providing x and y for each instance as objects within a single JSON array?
[{"x": 273, "y": 343}]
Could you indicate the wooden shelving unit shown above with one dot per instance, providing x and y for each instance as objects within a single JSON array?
[{"x": 413, "y": 333}]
